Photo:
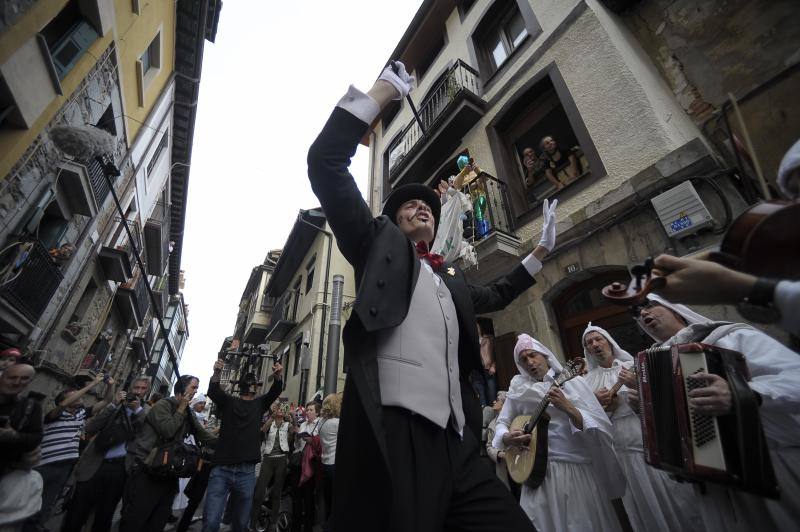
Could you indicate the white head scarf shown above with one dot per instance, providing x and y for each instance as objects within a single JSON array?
[
  {"x": 525, "y": 388},
  {"x": 199, "y": 398},
  {"x": 790, "y": 163},
  {"x": 619, "y": 353}
]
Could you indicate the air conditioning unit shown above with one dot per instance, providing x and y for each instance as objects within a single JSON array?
[{"x": 681, "y": 211}]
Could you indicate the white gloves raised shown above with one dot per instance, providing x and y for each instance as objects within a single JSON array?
[
  {"x": 401, "y": 81},
  {"x": 548, "y": 240}
]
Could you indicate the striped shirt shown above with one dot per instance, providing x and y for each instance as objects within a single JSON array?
[{"x": 62, "y": 437}]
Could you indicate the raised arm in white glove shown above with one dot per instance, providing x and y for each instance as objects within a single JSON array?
[
  {"x": 548, "y": 240},
  {"x": 401, "y": 80}
]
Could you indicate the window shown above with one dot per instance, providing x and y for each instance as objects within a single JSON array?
[
  {"x": 297, "y": 297},
  {"x": 85, "y": 301},
  {"x": 298, "y": 350},
  {"x": 68, "y": 36},
  {"x": 310, "y": 273},
  {"x": 430, "y": 55},
  {"x": 151, "y": 58},
  {"x": 464, "y": 6},
  {"x": 501, "y": 40},
  {"x": 544, "y": 143},
  {"x": 156, "y": 154}
]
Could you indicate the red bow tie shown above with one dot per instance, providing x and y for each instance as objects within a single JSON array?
[{"x": 433, "y": 259}]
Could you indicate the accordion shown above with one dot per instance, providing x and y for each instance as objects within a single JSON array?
[{"x": 729, "y": 449}]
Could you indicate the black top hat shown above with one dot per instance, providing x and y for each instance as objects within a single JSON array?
[{"x": 410, "y": 192}]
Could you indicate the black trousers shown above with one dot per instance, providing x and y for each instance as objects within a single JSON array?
[
  {"x": 100, "y": 494},
  {"x": 439, "y": 482},
  {"x": 303, "y": 501},
  {"x": 194, "y": 491},
  {"x": 147, "y": 502}
]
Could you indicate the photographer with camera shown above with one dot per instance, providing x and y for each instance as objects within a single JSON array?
[
  {"x": 63, "y": 427},
  {"x": 100, "y": 473},
  {"x": 239, "y": 448},
  {"x": 158, "y": 457}
]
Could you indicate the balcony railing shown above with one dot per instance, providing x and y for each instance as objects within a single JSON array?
[
  {"x": 133, "y": 301},
  {"x": 161, "y": 291},
  {"x": 31, "y": 280},
  {"x": 459, "y": 79},
  {"x": 491, "y": 208}
]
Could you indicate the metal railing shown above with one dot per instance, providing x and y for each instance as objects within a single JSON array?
[
  {"x": 32, "y": 281},
  {"x": 96, "y": 172},
  {"x": 491, "y": 208},
  {"x": 458, "y": 79}
]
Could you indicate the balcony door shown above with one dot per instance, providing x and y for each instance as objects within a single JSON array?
[{"x": 583, "y": 302}]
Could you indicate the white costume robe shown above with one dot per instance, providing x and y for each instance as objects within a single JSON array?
[
  {"x": 775, "y": 375},
  {"x": 583, "y": 475},
  {"x": 653, "y": 501}
]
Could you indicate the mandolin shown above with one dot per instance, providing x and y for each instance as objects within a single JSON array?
[{"x": 529, "y": 464}]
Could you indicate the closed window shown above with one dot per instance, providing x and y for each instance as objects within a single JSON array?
[
  {"x": 160, "y": 148},
  {"x": 503, "y": 39},
  {"x": 298, "y": 351},
  {"x": 310, "y": 273},
  {"x": 151, "y": 58}
]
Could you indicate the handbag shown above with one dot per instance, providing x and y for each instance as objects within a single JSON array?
[{"x": 174, "y": 458}]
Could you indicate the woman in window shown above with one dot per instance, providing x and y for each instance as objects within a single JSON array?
[{"x": 558, "y": 159}]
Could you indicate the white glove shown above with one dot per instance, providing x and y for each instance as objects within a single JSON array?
[
  {"x": 401, "y": 81},
  {"x": 548, "y": 240}
]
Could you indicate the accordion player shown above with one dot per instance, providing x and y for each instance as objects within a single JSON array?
[{"x": 729, "y": 449}]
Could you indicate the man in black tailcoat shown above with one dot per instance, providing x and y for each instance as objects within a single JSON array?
[{"x": 407, "y": 455}]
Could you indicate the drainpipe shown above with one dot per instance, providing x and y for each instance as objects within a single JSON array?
[
  {"x": 324, "y": 293},
  {"x": 334, "y": 332}
]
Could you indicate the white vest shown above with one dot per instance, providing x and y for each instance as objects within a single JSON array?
[
  {"x": 284, "y": 437},
  {"x": 418, "y": 359}
]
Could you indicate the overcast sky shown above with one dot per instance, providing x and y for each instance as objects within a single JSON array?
[{"x": 269, "y": 83}]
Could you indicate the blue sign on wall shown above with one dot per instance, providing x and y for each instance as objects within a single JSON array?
[{"x": 680, "y": 224}]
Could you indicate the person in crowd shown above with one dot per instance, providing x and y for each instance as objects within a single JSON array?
[
  {"x": 583, "y": 474},
  {"x": 20, "y": 436},
  {"x": 238, "y": 450},
  {"x": 181, "y": 502},
  {"x": 535, "y": 165},
  {"x": 703, "y": 282},
  {"x": 9, "y": 357},
  {"x": 775, "y": 380},
  {"x": 63, "y": 428},
  {"x": 328, "y": 434},
  {"x": 652, "y": 501},
  {"x": 147, "y": 498},
  {"x": 484, "y": 380},
  {"x": 557, "y": 159},
  {"x": 100, "y": 472},
  {"x": 497, "y": 456},
  {"x": 198, "y": 404},
  {"x": 304, "y": 495},
  {"x": 278, "y": 437},
  {"x": 399, "y": 396}
]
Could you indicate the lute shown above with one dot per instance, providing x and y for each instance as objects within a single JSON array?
[{"x": 529, "y": 464}]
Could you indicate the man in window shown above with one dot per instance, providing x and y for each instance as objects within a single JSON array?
[{"x": 407, "y": 454}]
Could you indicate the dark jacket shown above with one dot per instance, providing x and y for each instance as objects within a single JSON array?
[
  {"x": 386, "y": 270},
  {"x": 91, "y": 458},
  {"x": 164, "y": 424}
]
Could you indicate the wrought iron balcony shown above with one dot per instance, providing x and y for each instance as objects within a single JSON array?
[
  {"x": 30, "y": 280},
  {"x": 449, "y": 110},
  {"x": 156, "y": 237},
  {"x": 143, "y": 342},
  {"x": 490, "y": 229},
  {"x": 133, "y": 301},
  {"x": 161, "y": 291},
  {"x": 98, "y": 168},
  {"x": 281, "y": 321}
]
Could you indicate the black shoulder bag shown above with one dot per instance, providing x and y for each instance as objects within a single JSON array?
[
  {"x": 174, "y": 458},
  {"x": 118, "y": 429}
]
